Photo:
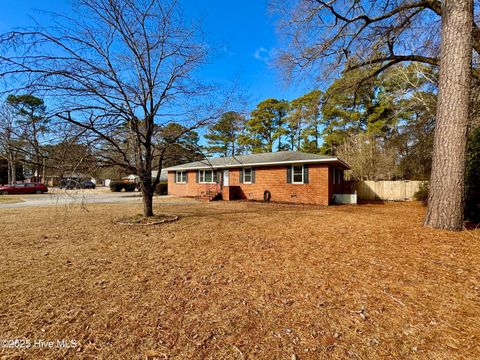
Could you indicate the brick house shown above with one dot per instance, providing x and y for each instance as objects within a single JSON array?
[{"x": 284, "y": 176}]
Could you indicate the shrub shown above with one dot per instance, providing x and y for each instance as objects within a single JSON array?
[
  {"x": 116, "y": 186},
  {"x": 129, "y": 187},
  {"x": 161, "y": 189},
  {"x": 422, "y": 194}
]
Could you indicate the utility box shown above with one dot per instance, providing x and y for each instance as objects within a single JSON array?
[{"x": 345, "y": 198}]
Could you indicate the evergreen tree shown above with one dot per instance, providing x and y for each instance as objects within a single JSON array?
[
  {"x": 33, "y": 124},
  {"x": 223, "y": 135},
  {"x": 265, "y": 126},
  {"x": 305, "y": 122}
]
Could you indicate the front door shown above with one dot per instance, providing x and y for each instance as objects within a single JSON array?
[{"x": 226, "y": 178}]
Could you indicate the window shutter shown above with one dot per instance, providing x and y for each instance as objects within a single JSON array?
[
  {"x": 175, "y": 177},
  {"x": 253, "y": 176},
  {"x": 241, "y": 176},
  {"x": 198, "y": 176},
  {"x": 305, "y": 174},
  {"x": 289, "y": 174},
  {"x": 186, "y": 176}
]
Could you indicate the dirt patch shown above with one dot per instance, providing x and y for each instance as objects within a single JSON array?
[
  {"x": 239, "y": 281},
  {"x": 139, "y": 219}
]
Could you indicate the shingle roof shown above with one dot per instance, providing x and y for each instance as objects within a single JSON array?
[{"x": 263, "y": 159}]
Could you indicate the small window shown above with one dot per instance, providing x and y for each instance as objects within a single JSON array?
[
  {"x": 247, "y": 175},
  {"x": 206, "y": 176},
  {"x": 297, "y": 174},
  {"x": 181, "y": 177}
]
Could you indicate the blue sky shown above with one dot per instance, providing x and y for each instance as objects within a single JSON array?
[{"x": 244, "y": 28}]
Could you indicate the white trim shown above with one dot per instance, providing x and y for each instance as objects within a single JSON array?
[
  {"x": 176, "y": 176},
  {"x": 240, "y": 165},
  {"x": 251, "y": 175},
  {"x": 293, "y": 175}
]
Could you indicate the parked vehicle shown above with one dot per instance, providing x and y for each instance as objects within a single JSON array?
[
  {"x": 88, "y": 185},
  {"x": 23, "y": 188},
  {"x": 76, "y": 184},
  {"x": 69, "y": 184}
]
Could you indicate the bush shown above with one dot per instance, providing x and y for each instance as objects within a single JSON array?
[
  {"x": 422, "y": 194},
  {"x": 129, "y": 187},
  {"x": 116, "y": 186},
  {"x": 161, "y": 189}
]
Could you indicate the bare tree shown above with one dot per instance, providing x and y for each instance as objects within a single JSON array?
[
  {"x": 362, "y": 33},
  {"x": 121, "y": 70},
  {"x": 369, "y": 158}
]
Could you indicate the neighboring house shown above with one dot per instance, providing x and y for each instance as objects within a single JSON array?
[
  {"x": 285, "y": 176},
  {"x": 163, "y": 175}
]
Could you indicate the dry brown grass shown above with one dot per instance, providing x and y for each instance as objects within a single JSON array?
[
  {"x": 10, "y": 199},
  {"x": 240, "y": 281}
]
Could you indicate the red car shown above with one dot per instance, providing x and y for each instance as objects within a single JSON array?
[{"x": 23, "y": 188}]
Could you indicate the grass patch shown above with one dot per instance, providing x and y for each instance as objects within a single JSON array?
[{"x": 10, "y": 199}]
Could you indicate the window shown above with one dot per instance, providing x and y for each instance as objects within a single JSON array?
[
  {"x": 205, "y": 176},
  {"x": 297, "y": 174},
  {"x": 247, "y": 175},
  {"x": 181, "y": 177}
]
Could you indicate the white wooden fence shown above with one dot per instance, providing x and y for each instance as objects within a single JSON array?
[{"x": 386, "y": 190}]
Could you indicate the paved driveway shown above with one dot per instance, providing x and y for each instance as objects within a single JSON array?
[{"x": 69, "y": 197}]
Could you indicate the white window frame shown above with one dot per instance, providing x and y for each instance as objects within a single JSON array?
[
  {"x": 293, "y": 175},
  {"x": 183, "y": 177},
  {"x": 244, "y": 176},
  {"x": 201, "y": 177}
]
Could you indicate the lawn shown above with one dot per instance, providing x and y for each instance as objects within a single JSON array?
[{"x": 239, "y": 281}]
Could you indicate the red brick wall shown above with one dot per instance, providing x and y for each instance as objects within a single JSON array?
[
  {"x": 273, "y": 179},
  {"x": 191, "y": 188}
]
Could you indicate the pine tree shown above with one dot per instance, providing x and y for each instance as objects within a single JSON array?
[
  {"x": 265, "y": 126},
  {"x": 223, "y": 135}
]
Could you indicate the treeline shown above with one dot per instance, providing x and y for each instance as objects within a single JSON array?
[{"x": 382, "y": 126}]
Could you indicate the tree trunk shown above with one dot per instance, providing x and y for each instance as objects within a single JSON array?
[
  {"x": 13, "y": 168},
  {"x": 9, "y": 171},
  {"x": 147, "y": 203},
  {"x": 147, "y": 194},
  {"x": 446, "y": 196}
]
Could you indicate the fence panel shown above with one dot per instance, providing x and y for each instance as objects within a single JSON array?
[{"x": 386, "y": 190}]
